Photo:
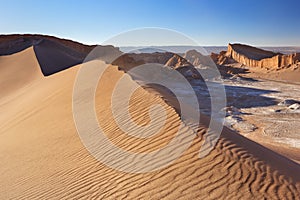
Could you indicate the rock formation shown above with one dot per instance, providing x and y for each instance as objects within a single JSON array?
[
  {"x": 130, "y": 60},
  {"x": 197, "y": 59},
  {"x": 255, "y": 57},
  {"x": 221, "y": 58}
]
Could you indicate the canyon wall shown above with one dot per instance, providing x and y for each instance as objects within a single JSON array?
[{"x": 255, "y": 57}]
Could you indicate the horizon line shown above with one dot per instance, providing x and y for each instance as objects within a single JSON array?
[{"x": 173, "y": 45}]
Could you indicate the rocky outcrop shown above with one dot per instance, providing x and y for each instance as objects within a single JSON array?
[
  {"x": 221, "y": 58},
  {"x": 177, "y": 61},
  {"x": 198, "y": 59},
  {"x": 130, "y": 60},
  {"x": 255, "y": 57}
]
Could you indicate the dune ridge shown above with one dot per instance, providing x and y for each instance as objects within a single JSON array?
[
  {"x": 44, "y": 158},
  {"x": 14, "y": 43},
  {"x": 53, "y": 54}
]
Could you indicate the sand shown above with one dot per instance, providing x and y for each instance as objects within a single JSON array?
[{"x": 42, "y": 156}]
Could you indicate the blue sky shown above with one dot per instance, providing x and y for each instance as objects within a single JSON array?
[{"x": 209, "y": 22}]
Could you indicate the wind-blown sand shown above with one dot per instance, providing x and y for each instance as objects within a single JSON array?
[{"x": 42, "y": 156}]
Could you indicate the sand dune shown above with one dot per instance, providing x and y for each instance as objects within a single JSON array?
[
  {"x": 54, "y": 54},
  {"x": 14, "y": 43},
  {"x": 17, "y": 71},
  {"x": 43, "y": 158}
]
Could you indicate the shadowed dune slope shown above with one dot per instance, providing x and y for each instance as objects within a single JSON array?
[
  {"x": 43, "y": 158},
  {"x": 54, "y": 57}
]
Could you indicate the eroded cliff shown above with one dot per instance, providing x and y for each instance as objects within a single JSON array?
[{"x": 255, "y": 57}]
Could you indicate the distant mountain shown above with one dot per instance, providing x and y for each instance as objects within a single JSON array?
[
  {"x": 283, "y": 50},
  {"x": 142, "y": 50},
  {"x": 174, "y": 49},
  {"x": 205, "y": 50}
]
